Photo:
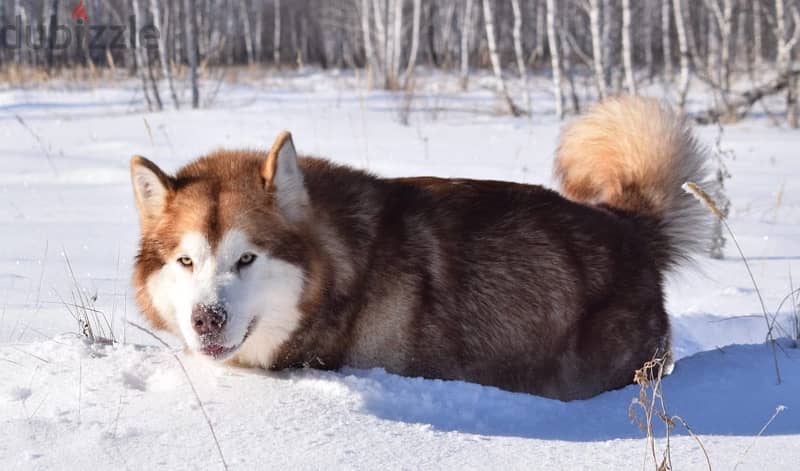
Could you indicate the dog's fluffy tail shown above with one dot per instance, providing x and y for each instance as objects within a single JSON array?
[{"x": 633, "y": 154}]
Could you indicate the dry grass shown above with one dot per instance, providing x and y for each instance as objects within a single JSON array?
[
  {"x": 652, "y": 405},
  {"x": 695, "y": 190},
  {"x": 93, "y": 324}
]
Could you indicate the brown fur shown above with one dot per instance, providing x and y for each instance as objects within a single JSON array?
[{"x": 492, "y": 282}]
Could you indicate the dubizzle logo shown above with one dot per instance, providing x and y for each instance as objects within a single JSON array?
[{"x": 79, "y": 13}]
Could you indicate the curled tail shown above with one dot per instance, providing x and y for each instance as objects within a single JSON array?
[{"x": 633, "y": 154}]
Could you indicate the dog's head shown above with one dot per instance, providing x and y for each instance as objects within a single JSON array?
[{"x": 222, "y": 259}]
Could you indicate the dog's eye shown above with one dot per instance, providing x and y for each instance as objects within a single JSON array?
[
  {"x": 185, "y": 261},
  {"x": 246, "y": 259}
]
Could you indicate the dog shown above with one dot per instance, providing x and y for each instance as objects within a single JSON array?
[{"x": 270, "y": 260}]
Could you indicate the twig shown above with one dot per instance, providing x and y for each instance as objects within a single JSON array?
[
  {"x": 778, "y": 410},
  {"x": 149, "y": 332},
  {"x": 203, "y": 410},
  {"x": 149, "y": 132},
  {"x": 695, "y": 190},
  {"x": 39, "y": 140}
]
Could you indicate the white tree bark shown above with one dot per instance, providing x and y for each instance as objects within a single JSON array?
[
  {"x": 552, "y": 39},
  {"x": 276, "y": 35},
  {"x": 466, "y": 33},
  {"x": 191, "y": 51},
  {"x": 412, "y": 56},
  {"x": 683, "y": 45},
  {"x": 597, "y": 48},
  {"x": 720, "y": 47},
  {"x": 494, "y": 57},
  {"x": 627, "y": 47},
  {"x": 523, "y": 72},
  {"x": 541, "y": 28},
  {"x": 244, "y": 18},
  {"x": 373, "y": 66},
  {"x": 666, "y": 40},
  {"x": 166, "y": 68},
  {"x": 785, "y": 44},
  {"x": 758, "y": 38},
  {"x": 381, "y": 33},
  {"x": 396, "y": 44}
]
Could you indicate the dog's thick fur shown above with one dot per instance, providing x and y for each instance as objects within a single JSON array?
[{"x": 491, "y": 282}]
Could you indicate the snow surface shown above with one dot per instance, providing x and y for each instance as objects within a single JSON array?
[{"x": 64, "y": 404}]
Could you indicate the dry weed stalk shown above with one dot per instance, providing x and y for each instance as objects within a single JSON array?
[
  {"x": 93, "y": 323},
  {"x": 652, "y": 404},
  {"x": 695, "y": 190}
]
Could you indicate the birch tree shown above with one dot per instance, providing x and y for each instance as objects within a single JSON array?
[
  {"x": 555, "y": 59},
  {"x": 191, "y": 49},
  {"x": 627, "y": 47},
  {"x": 166, "y": 69},
  {"x": 412, "y": 56},
  {"x": 597, "y": 48},
  {"x": 520, "y": 55},
  {"x": 683, "y": 45},
  {"x": 276, "y": 34},
  {"x": 488, "y": 20},
  {"x": 466, "y": 34}
]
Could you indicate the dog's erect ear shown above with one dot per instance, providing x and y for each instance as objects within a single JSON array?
[
  {"x": 151, "y": 186},
  {"x": 284, "y": 179}
]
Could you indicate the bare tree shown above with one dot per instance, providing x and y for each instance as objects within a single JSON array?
[
  {"x": 166, "y": 69},
  {"x": 244, "y": 12},
  {"x": 785, "y": 44},
  {"x": 758, "y": 38},
  {"x": 191, "y": 49},
  {"x": 666, "y": 40},
  {"x": 552, "y": 40},
  {"x": 523, "y": 73},
  {"x": 51, "y": 37},
  {"x": 683, "y": 45},
  {"x": 627, "y": 47},
  {"x": 412, "y": 56},
  {"x": 494, "y": 57},
  {"x": 466, "y": 34},
  {"x": 597, "y": 50},
  {"x": 276, "y": 34}
]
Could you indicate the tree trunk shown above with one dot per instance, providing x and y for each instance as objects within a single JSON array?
[
  {"x": 51, "y": 38},
  {"x": 258, "y": 31},
  {"x": 166, "y": 69},
  {"x": 412, "y": 56},
  {"x": 191, "y": 49},
  {"x": 381, "y": 33},
  {"x": 276, "y": 35},
  {"x": 246, "y": 30},
  {"x": 566, "y": 58},
  {"x": 395, "y": 45},
  {"x": 597, "y": 48},
  {"x": 683, "y": 46},
  {"x": 523, "y": 73},
  {"x": 466, "y": 32},
  {"x": 627, "y": 47},
  {"x": 541, "y": 28},
  {"x": 555, "y": 59},
  {"x": 494, "y": 57},
  {"x": 758, "y": 38},
  {"x": 373, "y": 68},
  {"x": 666, "y": 40},
  {"x": 786, "y": 44}
]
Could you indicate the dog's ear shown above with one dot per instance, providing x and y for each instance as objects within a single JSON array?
[
  {"x": 283, "y": 177},
  {"x": 151, "y": 186}
]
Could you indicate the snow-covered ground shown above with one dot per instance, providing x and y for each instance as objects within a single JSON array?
[{"x": 64, "y": 194}]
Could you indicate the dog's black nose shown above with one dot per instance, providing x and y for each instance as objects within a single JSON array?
[{"x": 208, "y": 319}]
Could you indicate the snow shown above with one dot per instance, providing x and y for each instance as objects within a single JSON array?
[{"x": 64, "y": 193}]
